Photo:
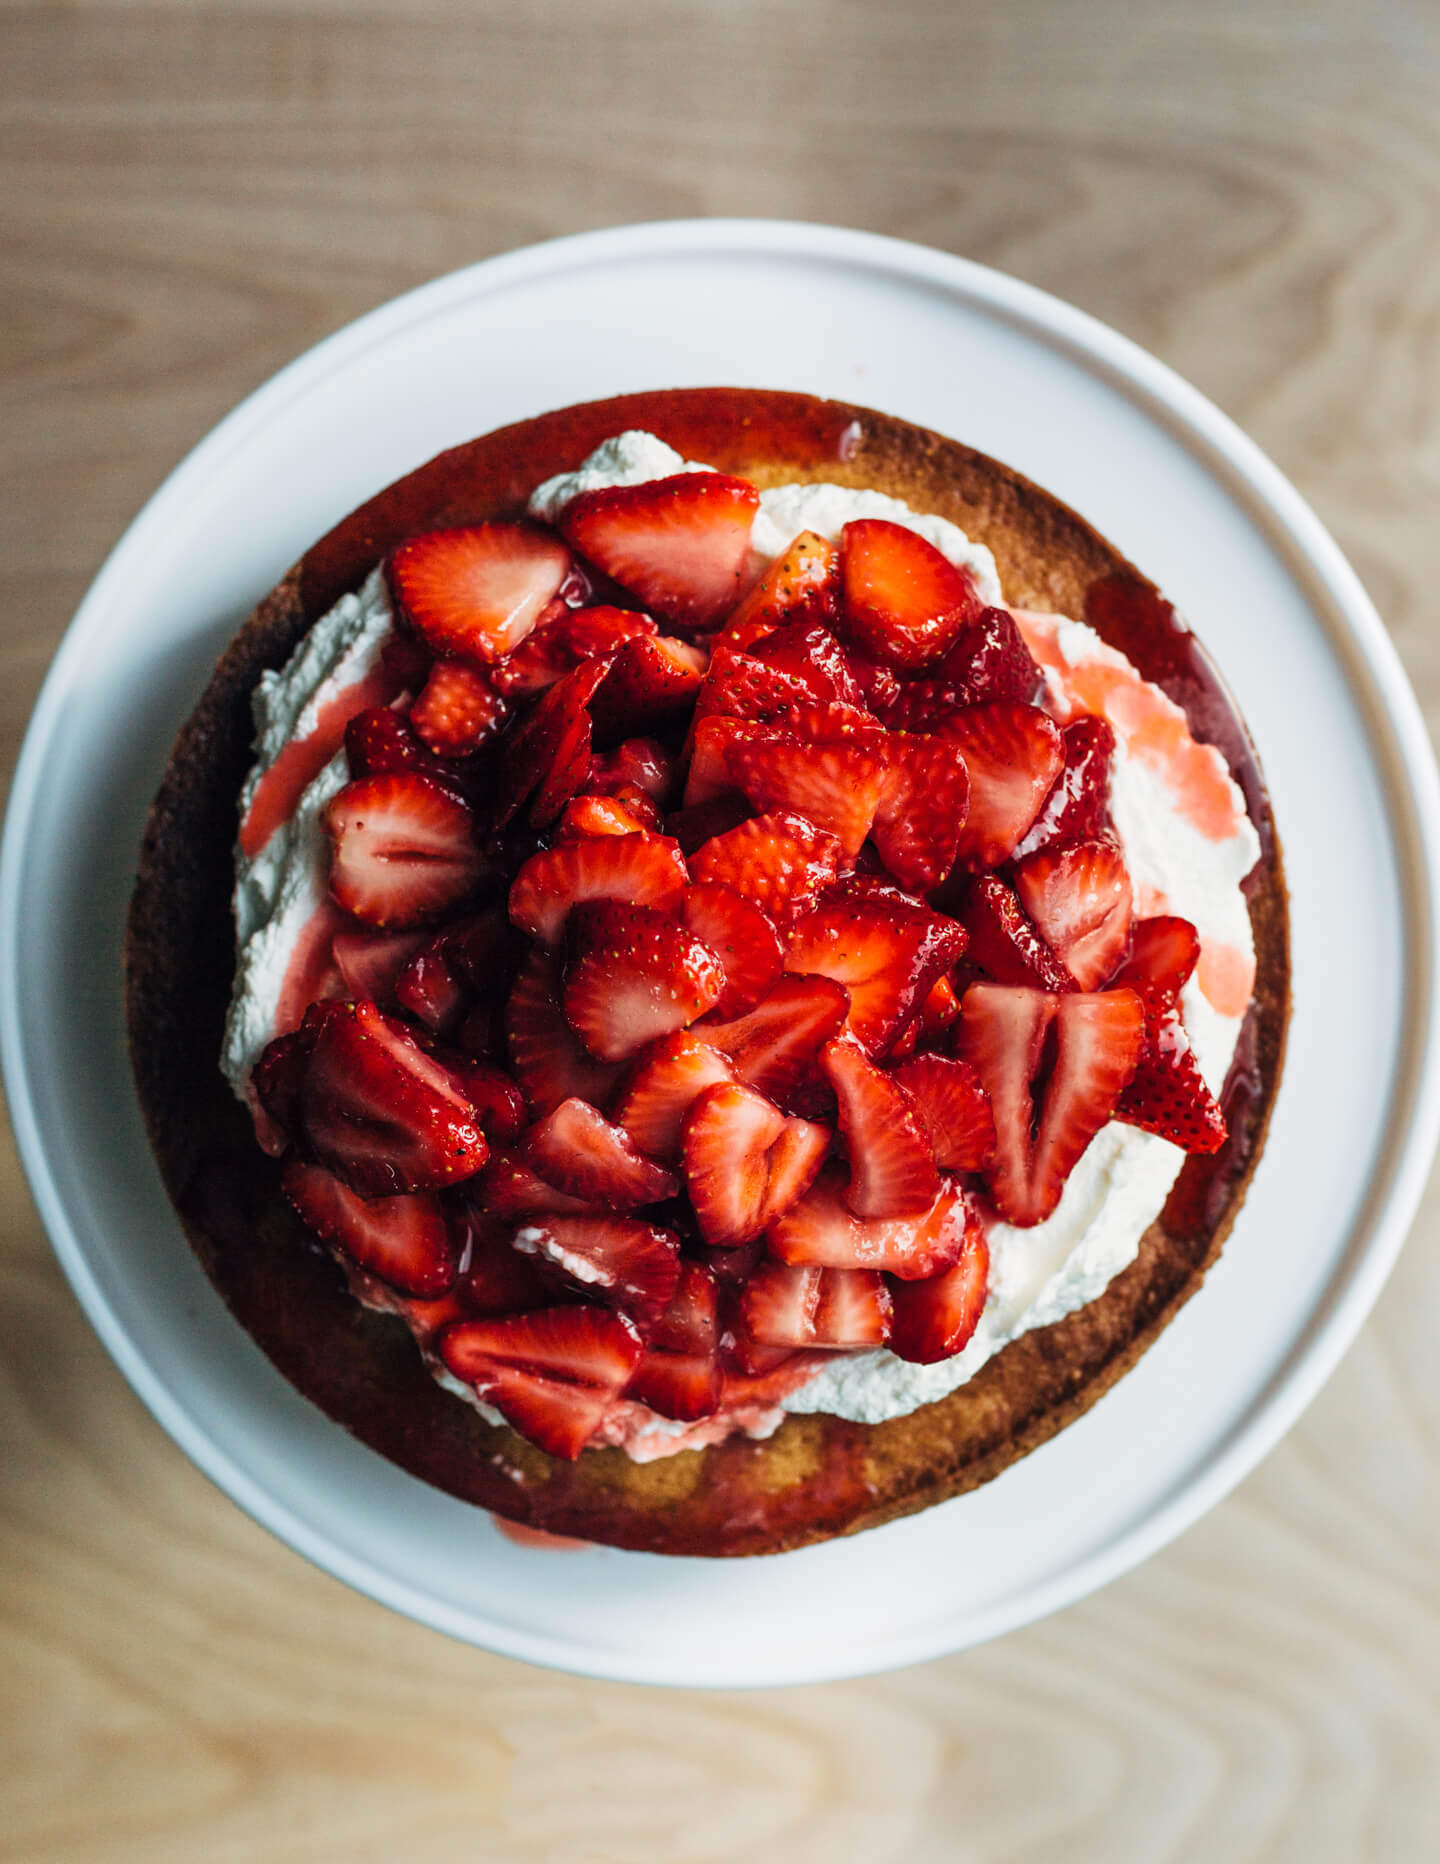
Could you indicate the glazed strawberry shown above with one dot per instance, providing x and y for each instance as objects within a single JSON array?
[
  {"x": 921, "y": 810},
  {"x": 815, "y": 1307},
  {"x": 380, "y": 741},
  {"x": 404, "y": 1240},
  {"x": 635, "y": 975},
  {"x": 892, "y": 1163},
  {"x": 1163, "y": 952},
  {"x": 431, "y": 989},
  {"x": 562, "y": 639},
  {"x": 371, "y": 961},
  {"x": 578, "y": 1151},
  {"x": 835, "y": 786},
  {"x": 632, "y": 1265},
  {"x": 885, "y": 950},
  {"x": 666, "y": 1081},
  {"x": 548, "y": 1058},
  {"x": 809, "y": 652},
  {"x": 1004, "y": 944},
  {"x": 708, "y": 774},
  {"x": 1013, "y": 755},
  {"x": 821, "y": 1231},
  {"x": 779, "y": 860},
  {"x": 990, "y": 661},
  {"x": 777, "y": 1042},
  {"x": 548, "y": 757},
  {"x": 1168, "y": 1094},
  {"x": 828, "y": 721},
  {"x": 497, "y": 1278},
  {"x": 939, "y": 1010},
  {"x": 652, "y": 682},
  {"x": 458, "y": 711},
  {"x": 953, "y": 1108},
  {"x": 552, "y": 1374},
  {"x": 802, "y": 582},
  {"x": 403, "y": 850},
  {"x": 499, "y": 1106},
  {"x": 638, "y": 763},
  {"x": 741, "y": 936},
  {"x": 680, "y": 1375},
  {"x": 679, "y": 544},
  {"x": 602, "y": 815},
  {"x": 1078, "y": 899},
  {"x": 380, "y": 1113},
  {"x": 276, "y": 1081},
  {"x": 736, "y": 685},
  {"x": 745, "y": 1163},
  {"x": 477, "y": 592},
  {"x": 903, "y": 602},
  {"x": 1078, "y": 807},
  {"x": 510, "y": 1187},
  {"x": 645, "y": 870},
  {"x": 934, "y": 1319},
  {"x": 1042, "y": 1125},
  {"x": 692, "y": 828}
]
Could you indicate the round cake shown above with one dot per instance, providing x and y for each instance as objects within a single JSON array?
[{"x": 752, "y": 980}]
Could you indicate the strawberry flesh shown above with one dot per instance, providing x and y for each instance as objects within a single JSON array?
[
  {"x": 885, "y": 950},
  {"x": 742, "y": 937},
  {"x": 666, "y": 1081},
  {"x": 578, "y": 1151},
  {"x": 635, "y": 975},
  {"x": 1078, "y": 806},
  {"x": 678, "y": 544},
  {"x": 952, "y": 1107},
  {"x": 745, "y": 1162},
  {"x": 892, "y": 1163},
  {"x": 477, "y": 591},
  {"x": 779, "y": 860},
  {"x": 1078, "y": 898},
  {"x": 679, "y": 1375},
  {"x": 774, "y": 1045},
  {"x": 821, "y": 1230},
  {"x": 405, "y": 1240},
  {"x": 805, "y": 1307},
  {"x": 904, "y": 603},
  {"x": 1013, "y": 755},
  {"x": 402, "y": 850},
  {"x": 934, "y": 1319},
  {"x": 552, "y": 1374},
  {"x": 631, "y": 1265},
  {"x": 645, "y": 870}
]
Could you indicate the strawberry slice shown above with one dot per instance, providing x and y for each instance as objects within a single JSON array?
[
  {"x": 739, "y": 686},
  {"x": 904, "y": 603},
  {"x": 779, "y": 860},
  {"x": 939, "y": 1010},
  {"x": 638, "y": 763},
  {"x": 578, "y": 1151},
  {"x": 802, "y": 582},
  {"x": 663, "y": 1086},
  {"x": 1164, "y": 952},
  {"x": 380, "y": 1113},
  {"x": 646, "y": 870},
  {"x": 402, "y": 850},
  {"x": 692, "y": 828},
  {"x": 892, "y": 1163},
  {"x": 1168, "y": 1094},
  {"x": 1013, "y": 754},
  {"x": 886, "y": 950},
  {"x": 816, "y": 1307},
  {"x": 953, "y": 1108},
  {"x": 1079, "y": 899},
  {"x": 990, "y": 661},
  {"x": 921, "y": 809},
  {"x": 547, "y": 1056},
  {"x": 370, "y": 962},
  {"x": 776, "y": 1043},
  {"x": 458, "y": 711},
  {"x": 477, "y": 591},
  {"x": 632, "y": 1265},
  {"x": 678, "y": 544},
  {"x": 809, "y": 652},
  {"x": 604, "y": 815},
  {"x": 431, "y": 989},
  {"x": 498, "y": 1104},
  {"x": 652, "y": 681},
  {"x": 562, "y": 639},
  {"x": 1046, "y": 1112},
  {"x": 497, "y": 1278},
  {"x": 742, "y": 937},
  {"x": 552, "y": 1374},
  {"x": 744, "y": 1162},
  {"x": 510, "y": 1187},
  {"x": 1078, "y": 807},
  {"x": 635, "y": 975},
  {"x": 821, "y": 1231},
  {"x": 379, "y": 742},
  {"x": 404, "y": 1240},
  {"x": 680, "y": 1374},
  {"x": 1004, "y": 944},
  {"x": 835, "y": 786},
  {"x": 548, "y": 757},
  {"x": 709, "y": 774},
  {"x": 934, "y": 1319}
]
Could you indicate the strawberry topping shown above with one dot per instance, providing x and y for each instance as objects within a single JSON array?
[
  {"x": 552, "y": 1374},
  {"x": 1078, "y": 899},
  {"x": 892, "y": 1163},
  {"x": 578, "y": 1151},
  {"x": 403, "y": 850},
  {"x": 636, "y": 974},
  {"x": 479, "y": 591},
  {"x": 404, "y": 1239},
  {"x": 904, "y": 603},
  {"x": 744, "y": 1162}
]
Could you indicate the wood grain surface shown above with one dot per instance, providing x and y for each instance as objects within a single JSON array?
[{"x": 189, "y": 195}]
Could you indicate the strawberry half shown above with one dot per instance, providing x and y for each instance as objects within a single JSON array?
[
  {"x": 822, "y": 1231},
  {"x": 744, "y": 1162},
  {"x": 561, "y": 641},
  {"x": 402, "y": 850},
  {"x": 742, "y": 938},
  {"x": 1078, "y": 806},
  {"x": 885, "y": 950},
  {"x": 952, "y": 1107},
  {"x": 458, "y": 710},
  {"x": 636, "y": 975},
  {"x": 835, "y": 786},
  {"x": 680, "y": 1375},
  {"x": 776, "y": 1043},
  {"x": 816, "y": 1307},
  {"x": 1079, "y": 898},
  {"x": 645, "y": 870},
  {"x": 552, "y": 1374},
  {"x": 892, "y": 1164},
  {"x": 934, "y": 1319},
  {"x": 548, "y": 1058},
  {"x": 663, "y": 1086},
  {"x": 578, "y": 1151},
  {"x": 633, "y": 1265},
  {"x": 778, "y": 860},
  {"x": 802, "y": 582},
  {"x": 477, "y": 591},
  {"x": 921, "y": 810},
  {"x": 904, "y": 603},
  {"x": 679, "y": 544},
  {"x": 404, "y": 1240},
  {"x": 1013, "y": 754}
]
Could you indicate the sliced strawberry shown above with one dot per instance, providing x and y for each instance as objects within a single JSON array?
[
  {"x": 809, "y": 652},
  {"x": 892, "y": 1163},
  {"x": 652, "y": 681},
  {"x": 835, "y": 786},
  {"x": 679, "y": 544},
  {"x": 880, "y": 686},
  {"x": 431, "y": 988},
  {"x": 276, "y": 1081},
  {"x": 548, "y": 757},
  {"x": 635, "y": 975},
  {"x": 934, "y": 1319},
  {"x": 779, "y": 860},
  {"x": 1168, "y": 1094},
  {"x": 380, "y": 742},
  {"x": 744, "y": 1162},
  {"x": 661, "y": 1089},
  {"x": 680, "y": 1374},
  {"x": 599, "y": 815},
  {"x": 632, "y": 1265},
  {"x": 370, "y": 961},
  {"x": 552, "y": 1374},
  {"x": 497, "y": 1278},
  {"x": 828, "y": 721},
  {"x": 458, "y": 711},
  {"x": 885, "y": 950},
  {"x": 404, "y": 1240},
  {"x": 1013, "y": 754},
  {"x": 1078, "y": 806},
  {"x": 822, "y": 1231},
  {"x": 477, "y": 591},
  {"x": 578, "y": 1151},
  {"x": 709, "y": 774},
  {"x": 638, "y": 763},
  {"x": 814, "y": 1307},
  {"x": 497, "y": 1102},
  {"x": 921, "y": 809},
  {"x": 777, "y": 1042},
  {"x": 646, "y": 870},
  {"x": 742, "y": 937},
  {"x": 1163, "y": 952},
  {"x": 1004, "y": 944},
  {"x": 692, "y": 828},
  {"x": 548, "y": 1058},
  {"x": 904, "y": 603},
  {"x": 403, "y": 850},
  {"x": 940, "y": 1009},
  {"x": 990, "y": 661},
  {"x": 803, "y": 581},
  {"x": 510, "y": 1187},
  {"x": 1079, "y": 898},
  {"x": 953, "y": 1108},
  {"x": 739, "y": 686},
  {"x": 1044, "y": 1121},
  {"x": 562, "y": 639},
  {"x": 380, "y": 1113}
]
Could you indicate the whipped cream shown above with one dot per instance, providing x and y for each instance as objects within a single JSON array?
[{"x": 1120, "y": 1184}]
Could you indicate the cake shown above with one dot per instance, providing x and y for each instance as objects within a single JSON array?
[{"x": 757, "y": 977}]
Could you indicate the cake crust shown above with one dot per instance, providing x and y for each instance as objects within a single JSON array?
[{"x": 818, "y": 1476}]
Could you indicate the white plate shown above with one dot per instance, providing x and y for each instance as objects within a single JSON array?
[{"x": 1161, "y": 472}]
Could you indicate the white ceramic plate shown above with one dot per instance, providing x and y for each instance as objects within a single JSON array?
[{"x": 1161, "y": 472}]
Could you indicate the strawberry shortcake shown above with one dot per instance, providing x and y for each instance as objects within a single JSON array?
[{"x": 752, "y": 980}]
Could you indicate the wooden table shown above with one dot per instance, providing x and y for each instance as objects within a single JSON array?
[{"x": 191, "y": 195}]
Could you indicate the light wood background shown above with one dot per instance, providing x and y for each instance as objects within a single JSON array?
[{"x": 189, "y": 195}]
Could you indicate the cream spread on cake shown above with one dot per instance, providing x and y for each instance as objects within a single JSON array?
[{"x": 1188, "y": 844}]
